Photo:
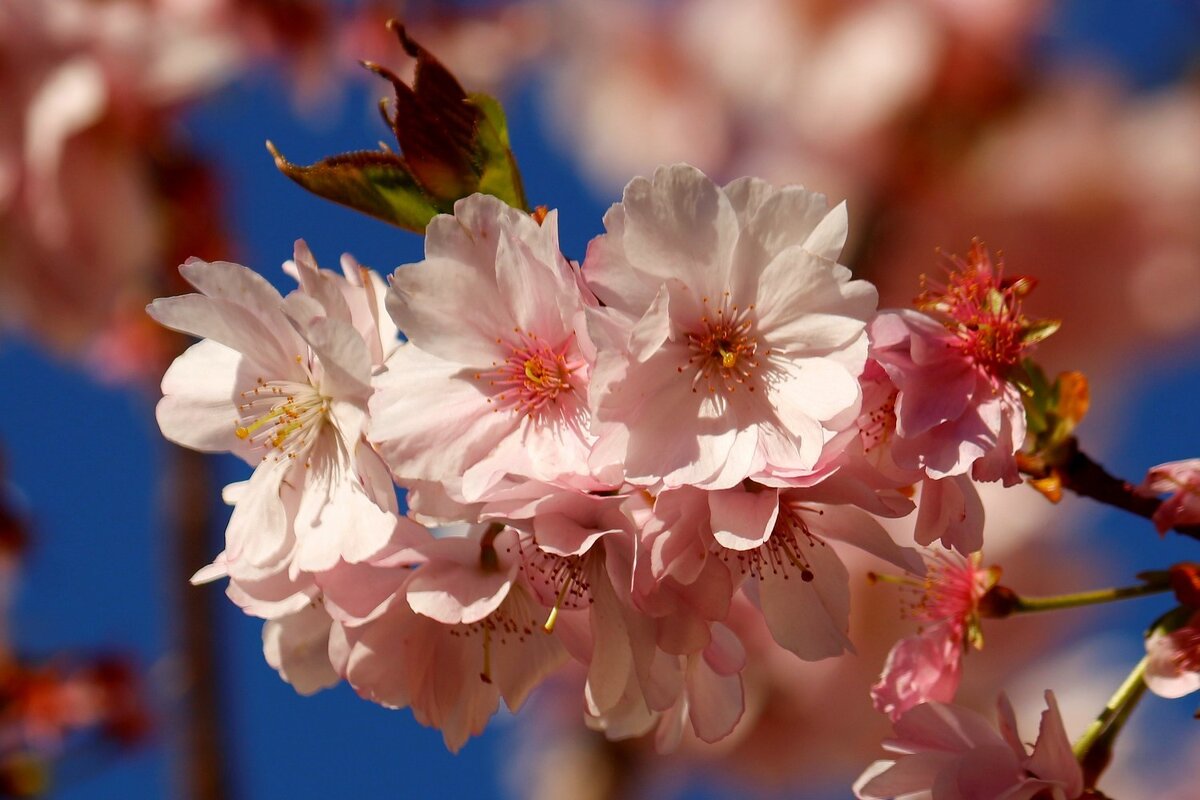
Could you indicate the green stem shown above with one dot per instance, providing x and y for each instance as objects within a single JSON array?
[
  {"x": 1028, "y": 605},
  {"x": 1094, "y": 747}
]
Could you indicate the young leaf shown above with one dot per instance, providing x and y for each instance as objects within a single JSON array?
[
  {"x": 373, "y": 182},
  {"x": 451, "y": 145}
]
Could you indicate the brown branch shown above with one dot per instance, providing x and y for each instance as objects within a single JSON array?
[
  {"x": 204, "y": 769},
  {"x": 1086, "y": 478}
]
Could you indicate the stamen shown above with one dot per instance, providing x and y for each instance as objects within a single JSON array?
[
  {"x": 782, "y": 554},
  {"x": 281, "y": 415},
  {"x": 486, "y": 675},
  {"x": 536, "y": 379},
  {"x": 562, "y": 595},
  {"x": 724, "y": 353}
]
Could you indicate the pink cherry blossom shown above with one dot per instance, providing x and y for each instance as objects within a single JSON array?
[
  {"x": 957, "y": 410},
  {"x": 928, "y": 666},
  {"x": 705, "y": 691},
  {"x": 580, "y": 554},
  {"x": 950, "y": 509},
  {"x": 495, "y": 378},
  {"x": 1180, "y": 481},
  {"x": 81, "y": 201},
  {"x": 458, "y": 634},
  {"x": 776, "y": 545},
  {"x": 284, "y": 384},
  {"x": 730, "y": 341},
  {"x": 946, "y": 751},
  {"x": 1174, "y": 666}
]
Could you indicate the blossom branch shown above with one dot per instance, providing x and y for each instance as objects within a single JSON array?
[
  {"x": 1077, "y": 471},
  {"x": 1094, "y": 748}
]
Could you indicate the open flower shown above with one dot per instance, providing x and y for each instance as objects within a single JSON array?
[
  {"x": 957, "y": 410},
  {"x": 495, "y": 378},
  {"x": 730, "y": 341},
  {"x": 284, "y": 385},
  {"x": 950, "y": 752},
  {"x": 950, "y": 508}
]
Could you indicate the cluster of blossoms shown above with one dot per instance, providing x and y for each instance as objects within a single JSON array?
[{"x": 600, "y": 459}]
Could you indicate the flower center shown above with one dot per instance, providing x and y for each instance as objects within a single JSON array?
[
  {"x": 281, "y": 415},
  {"x": 723, "y": 353},
  {"x": 536, "y": 378},
  {"x": 982, "y": 309}
]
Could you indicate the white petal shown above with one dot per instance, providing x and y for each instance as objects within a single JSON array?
[
  {"x": 297, "y": 646},
  {"x": 200, "y": 393}
]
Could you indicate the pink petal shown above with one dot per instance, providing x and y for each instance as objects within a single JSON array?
[
  {"x": 810, "y": 618},
  {"x": 1053, "y": 759}
]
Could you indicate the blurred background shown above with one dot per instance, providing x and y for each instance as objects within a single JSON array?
[{"x": 1064, "y": 134}]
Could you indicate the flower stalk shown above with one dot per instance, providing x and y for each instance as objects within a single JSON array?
[
  {"x": 1094, "y": 748},
  {"x": 1000, "y": 601}
]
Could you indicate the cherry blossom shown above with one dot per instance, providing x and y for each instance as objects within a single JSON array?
[
  {"x": 283, "y": 384},
  {"x": 81, "y": 204},
  {"x": 775, "y": 544},
  {"x": 946, "y": 751},
  {"x": 928, "y": 666},
  {"x": 730, "y": 341},
  {"x": 956, "y": 408},
  {"x": 950, "y": 509},
  {"x": 457, "y": 634},
  {"x": 504, "y": 390}
]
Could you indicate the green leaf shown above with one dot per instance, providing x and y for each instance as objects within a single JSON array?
[
  {"x": 374, "y": 182},
  {"x": 499, "y": 174}
]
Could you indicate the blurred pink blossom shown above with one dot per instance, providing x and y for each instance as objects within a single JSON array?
[
  {"x": 1180, "y": 481},
  {"x": 955, "y": 752},
  {"x": 1174, "y": 666}
]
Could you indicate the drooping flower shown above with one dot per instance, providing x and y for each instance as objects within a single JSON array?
[
  {"x": 458, "y": 633},
  {"x": 957, "y": 410},
  {"x": 283, "y": 384},
  {"x": 730, "y": 341},
  {"x": 776, "y": 543},
  {"x": 1180, "y": 481},
  {"x": 946, "y": 751},
  {"x": 928, "y": 666},
  {"x": 495, "y": 378},
  {"x": 1174, "y": 666}
]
